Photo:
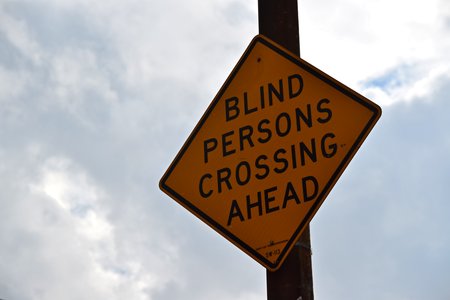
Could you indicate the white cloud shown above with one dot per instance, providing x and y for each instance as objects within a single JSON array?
[
  {"x": 405, "y": 83},
  {"x": 355, "y": 41},
  {"x": 57, "y": 237},
  {"x": 76, "y": 197},
  {"x": 17, "y": 32}
]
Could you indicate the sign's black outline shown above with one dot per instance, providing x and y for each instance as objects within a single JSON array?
[{"x": 321, "y": 198}]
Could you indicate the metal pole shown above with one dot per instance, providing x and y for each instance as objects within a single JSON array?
[{"x": 278, "y": 20}]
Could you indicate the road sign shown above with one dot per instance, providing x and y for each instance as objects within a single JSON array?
[{"x": 268, "y": 150}]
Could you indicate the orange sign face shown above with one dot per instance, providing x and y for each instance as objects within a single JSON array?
[{"x": 268, "y": 150}]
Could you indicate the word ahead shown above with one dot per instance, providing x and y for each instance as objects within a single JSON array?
[{"x": 268, "y": 150}]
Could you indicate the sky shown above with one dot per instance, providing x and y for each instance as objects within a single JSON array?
[{"x": 97, "y": 97}]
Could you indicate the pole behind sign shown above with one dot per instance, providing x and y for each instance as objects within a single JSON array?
[{"x": 278, "y": 20}]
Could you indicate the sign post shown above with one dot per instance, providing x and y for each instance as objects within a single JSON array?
[
  {"x": 278, "y": 20},
  {"x": 269, "y": 149}
]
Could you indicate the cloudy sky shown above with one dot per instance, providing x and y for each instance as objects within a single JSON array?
[{"x": 97, "y": 97}]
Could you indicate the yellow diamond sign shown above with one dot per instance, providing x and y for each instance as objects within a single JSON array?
[{"x": 268, "y": 150}]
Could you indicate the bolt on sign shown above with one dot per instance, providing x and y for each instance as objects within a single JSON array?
[{"x": 268, "y": 150}]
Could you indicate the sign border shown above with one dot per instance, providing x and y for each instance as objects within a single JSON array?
[{"x": 374, "y": 108}]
